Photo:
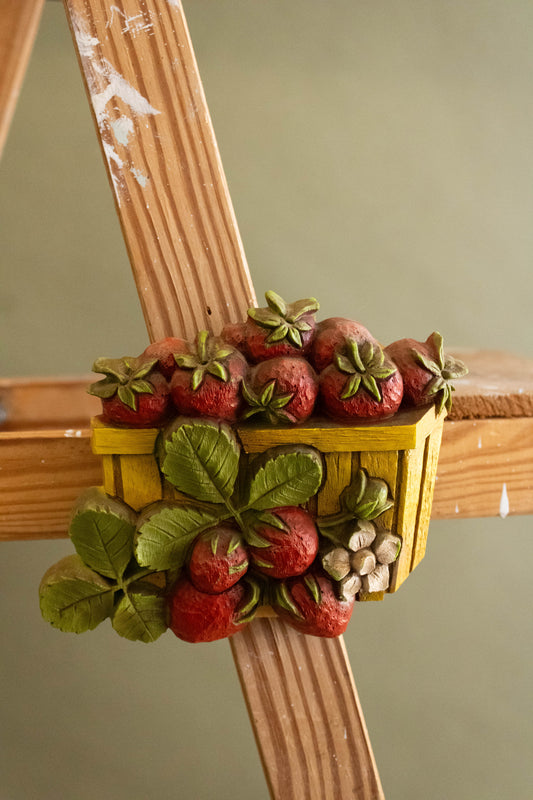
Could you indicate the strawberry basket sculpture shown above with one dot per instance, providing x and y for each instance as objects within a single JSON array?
[{"x": 285, "y": 466}]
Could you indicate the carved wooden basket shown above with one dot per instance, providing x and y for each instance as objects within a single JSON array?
[{"x": 403, "y": 451}]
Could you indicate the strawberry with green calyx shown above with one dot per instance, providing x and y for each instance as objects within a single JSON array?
[
  {"x": 330, "y": 337},
  {"x": 132, "y": 392},
  {"x": 362, "y": 383},
  {"x": 164, "y": 351},
  {"x": 218, "y": 560},
  {"x": 310, "y": 604},
  {"x": 281, "y": 390},
  {"x": 427, "y": 371},
  {"x": 196, "y": 616},
  {"x": 207, "y": 382},
  {"x": 281, "y": 328},
  {"x": 283, "y": 542}
]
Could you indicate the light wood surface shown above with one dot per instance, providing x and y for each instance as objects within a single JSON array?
[
  {"x": 186, "y": 254},
  {"x": 317, "y": 747},
  {"x": 498, "y": 384},
  {"x": 477, "y": 457},
  {"x": 163, "y": 163},
  {"x": 19, "y": 21}
]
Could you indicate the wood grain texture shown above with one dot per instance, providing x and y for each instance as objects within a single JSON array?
[
  {"x": 481, "y": 463},
  {"x": 317, "y": 746},
  {"x": 19, "y": 22},
  {"x": 38, "y": 403},
  {"x": 163, "y": 163},
  {"x": 429, "y": 470},
  {"x": 41, "y": 475},
  {"x": 410, "y": 466},
  {"x": 498, "y": 384}
]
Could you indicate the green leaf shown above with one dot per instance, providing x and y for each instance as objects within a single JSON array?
[
  {"x": 278, "y": 334},
  {"x": 102, "y": 530},
  {"x": 218, "y": 370},
  {"x": 128, "y": 397},
  {"x": 197, "y": 378},
  {"x": 351, "y": 387},
  {"x": 166, "y": 532},
  {"x": 186, "y": 360},
  {"x": 314, "y": 588},
  {"x": 294, "y": 336},
  {"x": 268, "y": 393},
  {"x": 140, "y": 386},
  {"x": 305, "y": 306},
  {"x": 276, "y": 303},
  {"x": 140, "y": 615},
  {"x": 202, "y": 460},
  {"x": 104, "y": 389},
  {"x": 369, "y": 382},
  {"x": 284, "y": 476},
  {"x": 73, "y": 597}
]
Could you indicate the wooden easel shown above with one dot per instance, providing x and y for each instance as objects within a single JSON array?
[{"x": 190, "y": 270}]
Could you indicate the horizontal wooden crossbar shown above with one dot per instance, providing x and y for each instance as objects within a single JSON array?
[{"x": 485, "y": 466}]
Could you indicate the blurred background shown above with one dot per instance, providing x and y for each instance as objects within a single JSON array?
[{"x": 379, "y": 158}]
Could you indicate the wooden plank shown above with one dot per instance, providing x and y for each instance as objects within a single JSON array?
[
  {"x": 477, "y": 458},
  {"x": 140, "y": 480},
  {"x": 498, "y": 384},
  {"x": 485, "y": 469},
  {"x": 28, "y": 404},
  {"x": 431, "y": 457},
  {"x": 410, "y": 468},
  {"x": 317, "y": 747},
  {"x": 182, "y": 238},
  {"x": 41, "y": 477},
  {"x": 163, "y": 163},
  {"x": 19, "y": 24},
  {"x": 338, "y": 476}
]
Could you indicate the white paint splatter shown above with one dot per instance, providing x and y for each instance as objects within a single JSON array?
[
  {"x": 122, "y": 128},
  {"x": 504, "y": 502},
  {"x": 117, "y": 86},
  {"x": 139, "y": 23},
  {"x": 71, "y": 434},
  {"x": 479, "y": 443},
  {"x": 141, "y": 179},
  {"x": 457, "y": 508},
  {"x": 86, "y": 42},
  {"x": 174, "y": 3}
]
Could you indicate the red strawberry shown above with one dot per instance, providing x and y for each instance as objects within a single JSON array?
[
  {"x": 132, "y": 392},
  {"x": 234, "y": 333},
  {"x": 207, "y": 381},
  {"x": 310, "y": 605},
  {"x": 281, "y": 329},
  {"x": 283, "y": 542},
  {"x": 282, "y": 389},
  {"x": 426, "y": 370},
  {"x": 199, "y": 617},
  {"x": 218, "y": 560},
  {"x": 164, "y": 351},
  {"x": 330, "y": 336},
  {"x": 362, "y": 383}
]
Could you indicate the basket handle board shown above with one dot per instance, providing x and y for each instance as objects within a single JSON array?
[{"x": 190, "y": 270}]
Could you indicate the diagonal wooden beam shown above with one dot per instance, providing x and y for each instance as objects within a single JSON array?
[
  {"x": 19, "y": 23},
  {"x": 163, "y": 163},
  {"x": 187, "y": 258}
]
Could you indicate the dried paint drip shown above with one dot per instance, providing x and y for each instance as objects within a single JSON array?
[{"x": 504, "y": 502}]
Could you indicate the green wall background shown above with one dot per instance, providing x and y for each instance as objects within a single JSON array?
[{"x": 379, "y": 157}]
